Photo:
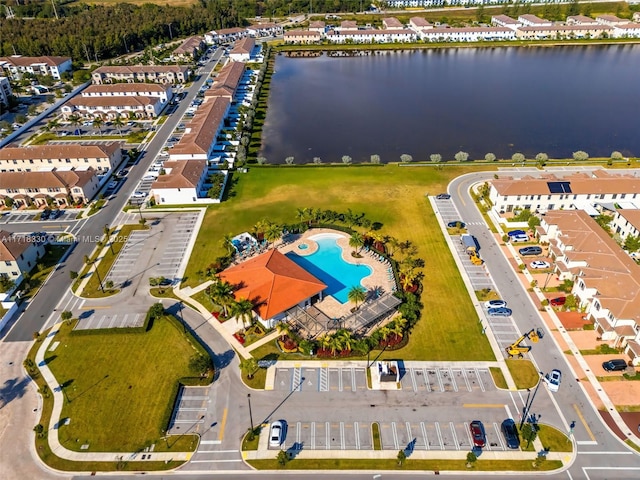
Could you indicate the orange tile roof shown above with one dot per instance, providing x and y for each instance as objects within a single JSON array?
[
  {"x": 182, "y": 174},
  {"x": 11, "y": 246},
  {"x": 273, "y": 282},
  {"x": 202, "y": 127}
]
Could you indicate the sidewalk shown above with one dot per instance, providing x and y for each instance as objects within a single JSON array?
[{"x": 55, "y": 423}]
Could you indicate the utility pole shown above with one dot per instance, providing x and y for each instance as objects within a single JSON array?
[
  {"x": 250, "y": 414},
  {"x": 528, "y": 404}
]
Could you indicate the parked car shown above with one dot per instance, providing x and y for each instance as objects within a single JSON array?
[
  {"x": 514, "y": 233},
  {"x": 138, "y": 195},
  {"x": 615, "y": 365},
  {"x": 112, "y": 184},
  {"x": 528, "y": 251},
  {"x": 477, "y": 433},
  {"x": 56, "y": 213},
  {"x": 149, "y": 178},
  {"x": 540, "y": 265},
  {"x": 518, "y": 238},
  {"x": 500, "y": 312},
  {"x": 443, "y": 196},
  {"x": 558, "y": 301},
  {"x": 275, "y": 434},
  {"x": 46, "y": 213},
  {"x": 495, "y": 304},
  {"x": 456, "y": 224},
  {"x": 552, "y": 379},
  {"x": 510, "y": 433}
]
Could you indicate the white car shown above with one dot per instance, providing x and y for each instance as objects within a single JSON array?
[
  {"x": 138, "y": 195},
  {"x": 275, "y": 434},
  {"x": 149, "y": 177},
  {"x": 495, "y": 304},
  {"x": 540, "y": 265},
  {"x": 552, "y": 379}
]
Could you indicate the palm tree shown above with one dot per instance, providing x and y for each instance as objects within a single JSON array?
[
  {"x": 273, "y": 233},
  {"x": 118, "y": 123},
  {"x": 345, "y": 339},
  {"x": 52, "y": 125},
  {"x": 97, "y": 123},
  {"x": 356, "y": 241},
  {"x": 326, "y": 342},
  {"x": 242, "y": 310},
  {"x": 357, "y": 294},
  {"x": 74, "y": 120},
  {"x": 249, "y": 366},
  {"x": 261, "y": 227},
  {"x": 221, "y": 293},
  {"x": 284, "y": 329},
  {"x": 227, "y": 243}
]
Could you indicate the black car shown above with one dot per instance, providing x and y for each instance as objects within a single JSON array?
[
  {"x": 45, "y": 214},
  {"x": 56, "y": 213},
  {"x": 525, "y": 251},
  {"x": 615, "y": 365},
  {"x": 443, "y": 196},
  {"x": 515, "y": 233},
  {"x": 456, "y": 224},
  {"x": 510, "y": 433}
]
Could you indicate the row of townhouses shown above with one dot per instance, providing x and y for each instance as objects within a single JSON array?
[
  {"x": 226, "y": 35},
  {"x": 124, "y": 100},
  {"x": 142, "y": 73},
  {"x": 606, "y": 278},
  {"x": 525, "y": 27},
  {"x": 35, "y": 176},
  {"x": 16, "y": 65}
]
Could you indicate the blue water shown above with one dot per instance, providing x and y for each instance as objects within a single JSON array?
[{"x": 327, "y": 265}]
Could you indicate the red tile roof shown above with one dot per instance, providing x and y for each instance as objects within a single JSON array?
[{"x": 273, "y": 282}]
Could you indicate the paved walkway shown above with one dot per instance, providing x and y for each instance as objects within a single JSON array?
[{"x": 58, "y": 402}]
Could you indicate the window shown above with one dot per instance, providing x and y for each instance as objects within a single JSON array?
[
  {"x": 15, "y": 274},
  {"x": 596, "y": 305},
  {"x": 7, "y": 263}
]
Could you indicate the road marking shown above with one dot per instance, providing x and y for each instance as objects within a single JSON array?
[
  {"x": 455, "y": 437},
  {"x": 439, "y": 433},
  {"x": 356, "y": 431},
  {"x": 217, "y": 451},
  {"x": 424, "y": 434},
  {"x": 217, "y": 461},
  {"x": 395, "y": 435},
  {"x": 342, "y": 445},
  {"x": 584, "y": 422},
  {"x": 586, "y": 442},
  {"x": 222, "y": 424},
  {"x": 96, "y": 307},
  {"x": 483, "y": 405},
  {"x": 461, "y": 197},
  {"x": 607, "y": 453},
  {"x": 210, "y": 442}
]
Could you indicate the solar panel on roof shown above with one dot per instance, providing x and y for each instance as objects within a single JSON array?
[{"x": 559, "y": 187}]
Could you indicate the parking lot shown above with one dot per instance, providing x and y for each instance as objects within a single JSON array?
[
  {"x": 175, "y": 251},
  {"x": 441, "y": 435},
  {"x": 121, "y": 270},
  {"x": 191, "y": 406},
  {"x": 415, "y": 379},
  {"x": 95, "y": 320},
  {"x": 29, "y": 216}
]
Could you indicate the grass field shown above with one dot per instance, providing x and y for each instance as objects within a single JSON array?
[
  {"x": 394, "y": 196},
  {"x": 120, "y": 387}
]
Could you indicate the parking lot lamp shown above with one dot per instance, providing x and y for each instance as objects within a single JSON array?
[
  {"x": 529, "y": 402},
  {"x": 250, "y": 414}
]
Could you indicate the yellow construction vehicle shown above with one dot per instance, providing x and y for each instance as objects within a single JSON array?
[
  {"x": 471, "y": 248},
  {"x": 516, "y": 349},
  {"x": 475, "y": 259}
]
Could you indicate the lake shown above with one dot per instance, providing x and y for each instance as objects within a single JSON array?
[{"x": 478, "y": 100}]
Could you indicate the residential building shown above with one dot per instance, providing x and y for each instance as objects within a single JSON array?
[
  {"x": 101, "y": 157},
  {"x": 370, "y": 36},
  {"x": 347, "y": 25},
  {"x": 419, "y": 23},
  {"x": 606, "y": 279},
  {"x": 243, "y": 50},
  {"x": 183, "y": 182},
  {"x": 563, "y": 31},
  {"x": 392, "y": 23},
  {"x": 5, "y": 90},
  {"x": 627, "y": 30},
  {"x": 274, "y": 284},
  {"x": 529, "y": 20},
  {"x": 505, "y": 21},
  {"x": 18, "y": 254},
  {"x": 162, "y": 91},
  {"x": 302, "y": 36},
  {"x": 467, "y": 34},
  {"x": 227, "y": 81},
  {"x": 142, "y": 73},
  {"x": 317, "y": 26},
  {"x": 579, "y": 191},
  {"x": 580, "y": 20},
  {"x": 626, "y": 222},
  {"x": 60, "y": 187},
  {"x": 201, "y": 132},
  {"x": 110, "y": 108},
  {"x": 54, "y": 67},
  {"x": 225, "y": 35},
  {"x": 264, "y": 29},
  {"x": 415, "y": 3},
  {"x": 611, "y": 20},
  {"x": 189, "y": 50}
]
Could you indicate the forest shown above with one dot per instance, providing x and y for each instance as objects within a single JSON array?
[{"x": 98, "y": 32}]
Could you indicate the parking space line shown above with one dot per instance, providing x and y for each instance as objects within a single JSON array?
[
  {"x": 413, "y": 380},
  {"x": 395, "y": 435},
  {"x": 424, "y": 435},
  {"x": 453, "y": 380},
  {"x": 101, "y": 320},
  {"x": 480, "y": 382},
  {"x": 342, "y": 444},
  {"x": 426, "y": 379},
  {"x": 340, "y": 379},
  {"x": 440, "y": 382},
  {"x": 499, "y": 435},
  {"x": 455, "y": 437},
  {"x": 466, "y": 429},
  {"x": 356, "y": 432},
  {"x": 113, "y": 321},
  {"x": 313, "y": 435},
  {"x": 439, "y": 433},
  {"x": 327, "y": 435},
  {"x": 409, "y": 434},
  {"x": 466, "y": 380},
  {"x": 354, "y": 386}
]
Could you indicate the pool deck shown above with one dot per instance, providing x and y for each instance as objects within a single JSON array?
[{"x": 380, "y": 279}]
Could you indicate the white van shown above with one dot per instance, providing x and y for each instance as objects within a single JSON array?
[{"x": 519, "y": 238}]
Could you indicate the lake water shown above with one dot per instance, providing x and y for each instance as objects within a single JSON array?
[{"x": 501, "y": 100}]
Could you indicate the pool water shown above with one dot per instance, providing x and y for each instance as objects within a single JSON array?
[{"x": 327, "y": 265}]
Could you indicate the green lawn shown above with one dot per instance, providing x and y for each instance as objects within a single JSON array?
[
  {"x": 120, "y": 387},
  {"x": 524, "y": 373},
  {"x": 46, "y": 264},
  {"x": 392, "y": 195},
  {"x": 554, "y": 440}
]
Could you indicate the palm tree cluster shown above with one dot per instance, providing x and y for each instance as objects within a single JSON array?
[{"x": 221, "y": 293}]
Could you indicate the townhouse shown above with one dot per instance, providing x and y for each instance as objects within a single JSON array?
[
  {"x": 316, "y": 26},
  {"x": 578, "y": 191},
  {"x": 467, "y": 34},
  {"x": 419, "y": 23},
  {"x": 227, "y": 82},
  {"x": 505, "y": 21},
  {"x": 225, "y": 35},
  {"x": 242, "y": 51},
  {"x": 533, "y": 21},
  {"x": 19, "y": 253},
  {"x": 563, "y": 31},
  {"x": 101, "y": 157},
  {"x": 580, "y": 20},
  {"x": 371, "y": 36},
  {"x": 162, "y": 91},
  {"x": 17, "y": 65},
  {"x": 183, "y": 182},
  {"x": 5, "y": 90},
  {"x": 189, "y": 50},
  {"x": 606, "y": 279},
  {"x": 611, "y": 20},
  {"x": 53, "y": 187},
  {"x": 142, "y": 73},
  {"x": 626, "y": 221},
  {"x": 392, "y": 23},
  {"x": 264, "y": 29},
  {"x": 302, "y": 36}
]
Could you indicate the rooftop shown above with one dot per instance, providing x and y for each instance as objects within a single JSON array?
[
  {"x": 203, "y": 127},
  {"x": 70, "y": 150},
  {"x": 580, "y": 184},
  {"x": 181, "y": 174}
]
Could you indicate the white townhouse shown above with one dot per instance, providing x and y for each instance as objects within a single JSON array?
[
  {"x": 162, "y": 91},
  {"x": 183, "y": 182},
  {"x": 372, "y": 36},
  {"x": 317, "y": 26},
  {"x": 54, "y": 67},
  {"x": 606, "y": 279},
  {"x": 627, "y": 30},
  {"x": 611, "y": 20},
  {"x": 18, "y": 254},
  {"x": 5, "y": 90},
  {"x": 467, "y": 34},
  {"x": 574, "y": 192},
  {"x": 190, "y": 49},
  {"x": 505, "y": 21},
  {"x": 225, "y": 35},
  {"x": 419, "y": 23},
  {"x": 563, "y": 31},
  {"x": 265, "y": 29},
  {"x": 392, "y": 23},
  {"x": 302, "y": 36},
  {"x": 626, "y": 221},
  {"x": 580, "y": 20},
  {"x": 141, "y": 73},
  {"x": 415, "y": 3},
  {"x": 346, "y": 25},
  {"x": 100, "y": 156},
  {"x": 529, "y": 20},
  {"x": 242, "y": 51}
]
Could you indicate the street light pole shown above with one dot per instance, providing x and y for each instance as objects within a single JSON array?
[
  {"x": 95, "y": 269},
  {"x": 250, "y": 414},
  {"x": 528, "y": 404}
]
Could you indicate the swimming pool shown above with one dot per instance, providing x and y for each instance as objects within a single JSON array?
[{"x": 326, "y": 264}]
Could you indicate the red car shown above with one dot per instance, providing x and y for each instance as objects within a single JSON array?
[
  {"x": 558, "y": 302},
  {"x": 477, "y": 433}
]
